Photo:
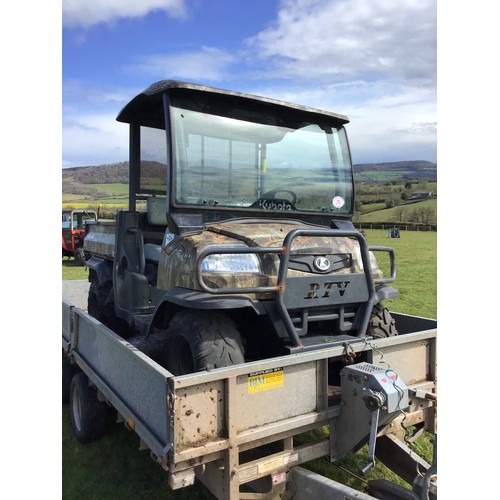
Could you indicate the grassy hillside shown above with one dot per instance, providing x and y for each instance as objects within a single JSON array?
[
  {"x": 389, "y": 171},
  {"x": 398, "y": 214}
]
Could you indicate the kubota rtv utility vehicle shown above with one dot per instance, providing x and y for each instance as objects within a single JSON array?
[
  {"x": 238, "y": 242},
  {"x": 235, "y": 307}
]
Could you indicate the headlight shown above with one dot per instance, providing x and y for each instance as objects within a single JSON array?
[
  {"x": 231, "y": 263},
  {"x": 373, "y": 261},
  {"x": 376, "y": 272}
]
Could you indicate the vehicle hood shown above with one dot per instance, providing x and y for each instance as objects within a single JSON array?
[{"x": 272, "y": 234}]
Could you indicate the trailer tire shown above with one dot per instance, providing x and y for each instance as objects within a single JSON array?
[
  {"x": 381, "y": 324},
  {"x": 202, "y": 340},
  {"x": 88, "y": 414},
  {"x": 68, "y": 372}
]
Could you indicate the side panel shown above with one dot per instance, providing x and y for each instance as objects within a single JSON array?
[
  {"x": 100, "y": 239},
  {"x": 259, "y": 398},
  {"x": 67, "y": 323},
  {"x": 130, "y": 380}
]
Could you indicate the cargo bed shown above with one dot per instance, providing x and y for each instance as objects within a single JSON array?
[{"x": 215, "y": 425}]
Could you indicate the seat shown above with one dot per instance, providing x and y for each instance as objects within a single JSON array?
[{"x": 157, "y": 211}]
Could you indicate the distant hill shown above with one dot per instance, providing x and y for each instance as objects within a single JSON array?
[
  {"x": 103, "y": 174},
  {"x": 387, "y": 171},
  {"x": 363, "y": 172}
]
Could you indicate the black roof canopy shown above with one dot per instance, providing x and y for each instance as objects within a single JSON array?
[{"x": 146, "y": 107}]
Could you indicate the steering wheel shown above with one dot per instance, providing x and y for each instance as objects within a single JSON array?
[{"x": 272, "y": 194}]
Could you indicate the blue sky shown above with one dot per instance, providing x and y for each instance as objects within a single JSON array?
[{"x": 372, "y": 61}]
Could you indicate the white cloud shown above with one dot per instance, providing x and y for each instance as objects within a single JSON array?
[
  {"x": 89, "y": 12},
  {"x": 90, "y": 130},
  {"x": 206, "y": 64},
  {"x": 335, "y": 40},
  {"x": 94, "y": 136},
  {"x": 372, "y": 61},
  {"x": 388, "y": 122}
]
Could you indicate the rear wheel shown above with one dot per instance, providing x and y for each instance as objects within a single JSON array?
[
  {"x": 381, "y": 324},
  {"x": 79, "y": 256},
  {"x": 202, "y": 340},
  {"x": 97, "y": 301},
  {"x": 88, "y": 414}
]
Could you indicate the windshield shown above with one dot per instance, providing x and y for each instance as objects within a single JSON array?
[{"x": 270, "y": 160}]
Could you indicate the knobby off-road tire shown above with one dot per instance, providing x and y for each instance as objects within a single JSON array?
[
  {"x": 88, "y": 414},
  {"x": 202, "y": 340},
  {"x": 79, "y": 256},
  {"x": 153, "y": 346},
  {"x": 381, "y": 324},
  {"x": 104, "y": 311},
  {"x": 97, "y": 306}
]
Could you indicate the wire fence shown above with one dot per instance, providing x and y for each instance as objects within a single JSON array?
[{"x": 394, "y": 225}]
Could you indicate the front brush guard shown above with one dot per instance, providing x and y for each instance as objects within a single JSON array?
[{"x": 307, "y": 292}]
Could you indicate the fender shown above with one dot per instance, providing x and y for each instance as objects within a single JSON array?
[
  {"x": 385, "y": 292},
  {"x": 183, "y": 298},
  {"x": 102, "y": 268}
]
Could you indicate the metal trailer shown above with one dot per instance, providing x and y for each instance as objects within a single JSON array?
[{"x": 215, "y": 425}]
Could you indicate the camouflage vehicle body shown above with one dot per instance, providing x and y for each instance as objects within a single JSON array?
[
  {"x": 177, "y": 267},
  {"x": 246, "y": 247}
]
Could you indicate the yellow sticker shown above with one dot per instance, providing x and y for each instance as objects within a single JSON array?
[{"x": 265, "y": 380}]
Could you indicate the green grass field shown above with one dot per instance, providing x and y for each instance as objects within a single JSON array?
[
  {"x": 394, "y": 214},
  {"x": 114, "y": 467}
]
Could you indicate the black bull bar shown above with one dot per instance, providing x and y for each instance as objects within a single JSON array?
[{"x": 289, "y": 291}]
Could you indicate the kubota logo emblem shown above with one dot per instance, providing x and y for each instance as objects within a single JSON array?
[
  {"x": 315, "y": 289},
  {"x": 321, "y": 263}
]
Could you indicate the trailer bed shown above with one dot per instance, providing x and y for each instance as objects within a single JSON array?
[{"x": 203, "y": 424}]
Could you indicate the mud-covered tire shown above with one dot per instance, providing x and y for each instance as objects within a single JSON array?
[
  {"x": 68, "y": 371},
  {"x": 381, "y": 324},
  {"x": 88, "y": 414},
  {"x": 79, "y": 256},
  {"x": 202, "y": 340}
]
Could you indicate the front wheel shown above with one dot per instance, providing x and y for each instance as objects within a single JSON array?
[
  {"x": 381, "y": 324},
  {"x": 88, "y": 414},
  {"x": 202, "y": 340}
]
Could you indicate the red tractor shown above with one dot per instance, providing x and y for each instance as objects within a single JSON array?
[{"x": 73, "y": 233}]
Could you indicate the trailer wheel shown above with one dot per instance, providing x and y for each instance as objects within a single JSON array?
[
  {"x": 79, "y": 256},
  {"x": 381, "y": 324},
  {"x": 202, "y": 340},
  {"x": 88, "y": 414},
  {"x": 68, "y": 371}
]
